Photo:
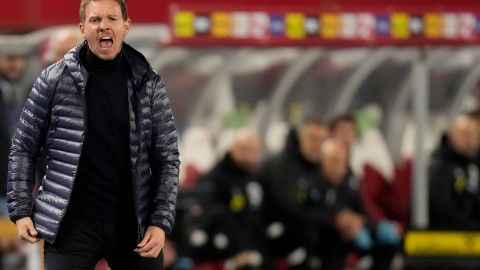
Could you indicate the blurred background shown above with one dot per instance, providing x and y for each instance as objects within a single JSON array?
[{"x": 397, "y": 81}]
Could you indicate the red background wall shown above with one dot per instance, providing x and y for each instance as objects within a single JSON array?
[{"x": 26, "y": 15}]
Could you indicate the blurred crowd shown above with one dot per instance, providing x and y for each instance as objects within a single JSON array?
[
  {"x": 303, "y": 208},
  {"x": 311, "y": 206},
  {"x": 308, "y": 208}
]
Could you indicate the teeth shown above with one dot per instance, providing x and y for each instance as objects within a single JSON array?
[{"x": 106, "y": 38}]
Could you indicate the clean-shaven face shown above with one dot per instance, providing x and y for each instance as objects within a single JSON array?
[{"x": 104, "y": 28}]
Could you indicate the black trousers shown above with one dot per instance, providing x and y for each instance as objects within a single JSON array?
[{"x": 81, "y": 243}]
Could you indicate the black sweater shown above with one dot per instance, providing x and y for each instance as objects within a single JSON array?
[{"x": 103, "y": 183}]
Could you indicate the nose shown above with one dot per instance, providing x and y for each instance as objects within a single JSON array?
[{"x": 104, "y": 25}]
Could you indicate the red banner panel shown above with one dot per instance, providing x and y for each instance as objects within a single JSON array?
[
  {"x": 277, "y": 22},
  {"x": 13, "y": 14},
  {"x": 55, "y": 12}
]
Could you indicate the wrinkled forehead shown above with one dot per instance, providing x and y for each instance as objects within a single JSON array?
[{"x": 103, "y": 8}]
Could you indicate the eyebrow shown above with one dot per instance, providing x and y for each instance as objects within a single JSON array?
[
  {"x": 94, "y": 17},
  {"x": 99, "y": 17}
]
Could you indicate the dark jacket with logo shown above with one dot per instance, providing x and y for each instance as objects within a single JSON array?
[
  {"x": 230, "y": 208},
  {"x": 54, "y": 119},
  {"x": 236, "y": 189},
  {"x": 453, "y": 190},
  {"x": 330, "y": 199},
  {"x": 287, "y": 180},
  {"x": 239, "y": 194}
]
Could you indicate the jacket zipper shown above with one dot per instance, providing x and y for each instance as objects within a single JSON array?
[
  {"x": 137, "y": 90},
  {"x": 137, "y": 213},
  {"x": 140, "y": 230}
]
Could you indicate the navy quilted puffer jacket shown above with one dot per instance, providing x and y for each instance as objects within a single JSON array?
[{"x": 54, "y": 118}]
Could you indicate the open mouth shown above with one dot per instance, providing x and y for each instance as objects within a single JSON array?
[{"x": 106, "y": 42}]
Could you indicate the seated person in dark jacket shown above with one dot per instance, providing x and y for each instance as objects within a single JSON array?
[
  {"x": 287, "y": 179},
  {"x": 475, "y": 114},
  {"x": 453, "y": 178},
  {"x": 4, "y": 147},
  {"x": 237, "y": 192},
  {"x": 344, "y": 224}
]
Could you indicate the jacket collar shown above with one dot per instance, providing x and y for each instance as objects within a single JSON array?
[
  {"x": 229, "y": 165},
  {"x": 140, "y": 69}
]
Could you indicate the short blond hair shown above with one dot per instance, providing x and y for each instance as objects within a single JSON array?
[{"x": 84, "y": 3}]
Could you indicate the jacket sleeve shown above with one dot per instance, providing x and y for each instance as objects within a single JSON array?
[
  {"x": 26, "y": 145},
  {"x": 164, "y": 160}
]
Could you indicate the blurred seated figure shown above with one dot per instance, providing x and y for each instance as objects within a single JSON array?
[
  {"x": 345, "y": 226},
  {"x": 12, "y": 68},
  {"x": 59, "y": 43},
  {"x": 385, "y": 196},
  {"x": 4, "y": 150},
  {"x": 454, "y": 176},
  {"x": 287, "y": 180},
  {"x": 237, "y": 192},
  {"x": 475, "y": 114},
  {"x": 234, "y": 232},
  {"x": 344, "y": 128},
  {"x": 197, "y": 223},
  {"x": 388, "y": 200}
]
